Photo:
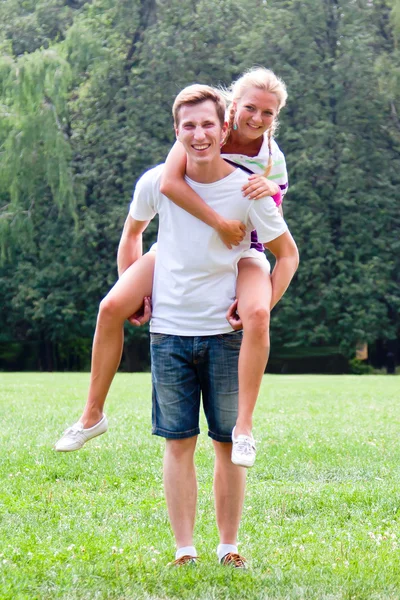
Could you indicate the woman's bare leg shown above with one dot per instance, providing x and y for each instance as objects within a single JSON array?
[
  {"x": 253, "y": 291},
  {"x": 122, "y": 301}
]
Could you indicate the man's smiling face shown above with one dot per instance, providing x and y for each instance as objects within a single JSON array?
[{"x": 200, "y": 131}]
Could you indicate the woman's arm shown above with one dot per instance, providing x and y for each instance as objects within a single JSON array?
[
  {"x": 259, "y": 186},
  {"x": 174, "y": 186}
]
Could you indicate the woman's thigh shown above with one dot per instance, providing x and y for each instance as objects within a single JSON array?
[
  {"x": 253, "y": 286},
  {"x": 126, "y": 296}
]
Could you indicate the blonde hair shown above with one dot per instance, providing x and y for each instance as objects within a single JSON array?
[
  {"x": 261, "y": 79},
  {"x": 196, "y": 94}
]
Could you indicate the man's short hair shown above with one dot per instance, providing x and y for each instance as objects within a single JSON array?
[{"x": 196, "y": 94}]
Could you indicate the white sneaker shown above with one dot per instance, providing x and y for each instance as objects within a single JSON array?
[
  {"x": 76, "y": 436},
  {"x": 243, "y": 450}
]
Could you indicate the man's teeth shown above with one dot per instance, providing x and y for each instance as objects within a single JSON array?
[{"x": 201, "y": 147}]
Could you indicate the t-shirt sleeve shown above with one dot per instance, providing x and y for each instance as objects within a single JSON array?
[
  {"x": 279, "y": 172},
  {"x": 264, "y": 216},
  {"x": 144, "y": 204}
]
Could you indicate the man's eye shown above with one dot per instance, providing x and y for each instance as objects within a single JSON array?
[{"x": 249, "y": 107}]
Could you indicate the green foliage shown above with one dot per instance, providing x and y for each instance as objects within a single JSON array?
[
  {"x": 31, "y": 24},
  {"x": 359, "y": 367},
  {"x": 34, "y": 140},
  {"x": 86, "y": 90},
  {"x": 343, "y": 166}
]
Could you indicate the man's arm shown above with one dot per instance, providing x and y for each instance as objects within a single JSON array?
[
  {"x": 130, "y": 245},
  {"x": 287, "y": 260}
]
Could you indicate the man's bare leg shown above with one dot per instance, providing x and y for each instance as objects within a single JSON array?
[
  {"x": 180, "y": 486},
  {"x": 229, "y": 488}
]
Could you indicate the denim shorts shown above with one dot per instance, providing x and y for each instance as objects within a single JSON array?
[{"x": 184, "y": 369}]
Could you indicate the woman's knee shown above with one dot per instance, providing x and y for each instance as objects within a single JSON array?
[
  {"x": 257, "y": 319},
  {"x": 109, "y": 310}
]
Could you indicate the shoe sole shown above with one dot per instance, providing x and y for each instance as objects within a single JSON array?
[{"x": 243, "y": 464}]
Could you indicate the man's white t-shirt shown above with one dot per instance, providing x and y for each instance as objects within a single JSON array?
[{"x": 195, "y": 274}]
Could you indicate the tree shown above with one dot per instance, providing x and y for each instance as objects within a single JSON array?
[{"x": 86, "y": 90}]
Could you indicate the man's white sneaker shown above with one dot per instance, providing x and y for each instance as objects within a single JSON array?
[
  {"x": 243, "y": 450},
  {"x": 76, "y": 436}
]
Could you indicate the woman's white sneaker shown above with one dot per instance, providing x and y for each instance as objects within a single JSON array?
[
  {"x": 76, "y": 436},
  {"x": 243, "y": 450}
]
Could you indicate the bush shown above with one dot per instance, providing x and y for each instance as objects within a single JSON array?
[{"x": 359, "y": 367}]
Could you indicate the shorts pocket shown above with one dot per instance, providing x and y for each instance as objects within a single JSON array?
[
  {"x": 158, "y": 338},
  {"x": 233, "y": 340}
]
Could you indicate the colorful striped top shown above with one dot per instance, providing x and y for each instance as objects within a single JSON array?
[{"x": 258, "y": 164}]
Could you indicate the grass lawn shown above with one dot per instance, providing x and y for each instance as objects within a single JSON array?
[{"x": 322, "y": 510}]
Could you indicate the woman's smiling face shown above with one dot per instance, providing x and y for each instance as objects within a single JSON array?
[{"x": 255, "y": 112}]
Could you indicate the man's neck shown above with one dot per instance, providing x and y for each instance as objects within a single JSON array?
[{"x": 208, "y": 172}]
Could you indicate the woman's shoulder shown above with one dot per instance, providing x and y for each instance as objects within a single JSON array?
[
  {"x": 276, "y": 151},
  {"x": 278, "y": 169}
]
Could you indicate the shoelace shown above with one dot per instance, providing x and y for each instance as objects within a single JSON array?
[
  {"x": 73, "y": 430},
  {"x": 183, "y": 560},
  {"x": 235, "y": 560},
  {"x": 245, "y": 446}
]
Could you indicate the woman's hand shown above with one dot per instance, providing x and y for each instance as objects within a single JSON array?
[
  {"x": 232, "y": 316},
  {"x": 259, "y": 186},
  {"x": 143, "y": 315},
  {"x": 231, "y": 232}
]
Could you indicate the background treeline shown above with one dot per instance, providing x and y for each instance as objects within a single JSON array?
[{"x": 85, "y": 102}]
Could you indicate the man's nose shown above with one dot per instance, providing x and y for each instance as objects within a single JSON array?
[{"x": 199, "y": 133}]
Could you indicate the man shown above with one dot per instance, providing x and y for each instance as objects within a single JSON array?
[{"x": 193, "y": 348}]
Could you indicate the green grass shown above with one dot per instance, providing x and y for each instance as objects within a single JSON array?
[{"x": 321, "y": 517}]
